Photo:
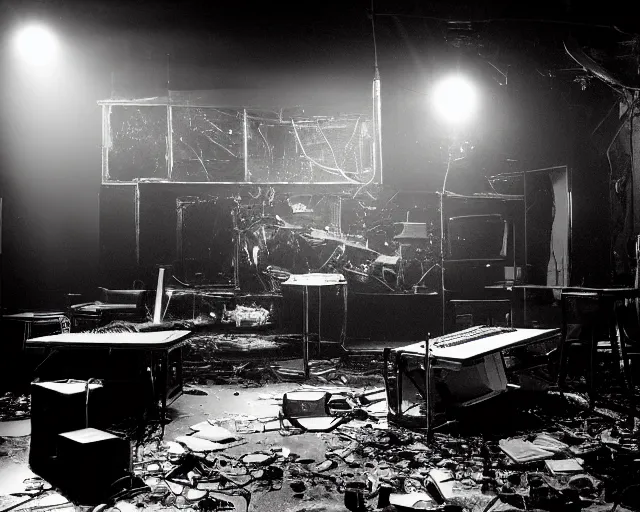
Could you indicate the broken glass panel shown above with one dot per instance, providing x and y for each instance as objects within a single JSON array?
[
  {"x": 322, "y": 150},
  {"x": 138, "y": 145},
  {"x": 208, "y": 144}
]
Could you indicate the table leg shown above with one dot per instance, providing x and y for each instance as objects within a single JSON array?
[
  {"x": 593, "y": 352},
  {"x": 319, "y": 317},
  {"x": 620, "y": 356},
  {"x": 343, "y": 332},
  {"x": 427, "y": 384},
  {"x": 305, "y": 332},
  {"x": 562, "y": 363},
  {"x": 152, "y": 379},
  {"x": 165, "y": 386},
  {"x": 27, "y": 335}
]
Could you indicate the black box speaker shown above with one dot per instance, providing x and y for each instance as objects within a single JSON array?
[
  {"x": 89, "y": 461},
  {"x": 57, "y": 407}
]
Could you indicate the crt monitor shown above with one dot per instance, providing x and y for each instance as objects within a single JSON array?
[{"x": 477, "y": 237}]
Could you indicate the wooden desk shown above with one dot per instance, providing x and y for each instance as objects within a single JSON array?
[{"x": 158, "y": 344}]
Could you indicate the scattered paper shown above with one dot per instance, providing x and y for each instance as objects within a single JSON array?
[
  {"x": 212, "y": 433},
  {"x": 415, "y": 500},
  {"x": 563, "y": 466},
  {"x": 523, "y": 451},
  {"x": 546, "y": 442},
  {"x": 15, "y": 428},
  {"x": 443, "y": 480},
  {"x": 199, "y": 445}
]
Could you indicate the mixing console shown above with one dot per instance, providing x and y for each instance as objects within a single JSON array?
[{"x": 472, "y": 334}]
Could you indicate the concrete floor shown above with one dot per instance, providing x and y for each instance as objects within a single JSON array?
[{"x": 221, "y": 401}]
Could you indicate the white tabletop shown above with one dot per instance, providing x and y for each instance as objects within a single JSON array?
[
  {"x": 315, "y": 279},
  {"x": 120, "y": 340},
  {"x": 34, "y": 316},
  {"x": 484, "y": 346}
]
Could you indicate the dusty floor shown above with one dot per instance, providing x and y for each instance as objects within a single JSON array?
[
  {"x": 221, "y": 401},
  {"x": 315, "y": 469},
  {"x": 224, "y": 401}
]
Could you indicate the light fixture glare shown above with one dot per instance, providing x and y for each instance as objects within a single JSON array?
[
  {"x": 455, "y": 99},
  {"x": 36, "y": 45}
]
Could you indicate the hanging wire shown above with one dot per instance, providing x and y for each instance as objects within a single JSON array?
[
  {"x": 348, "y": 144},
  {"x": 373, "y": 29},
  {"x": 331, "y": 170},
  {"x": 376, "y": 77},
  {"x": 324, "y": 136}
]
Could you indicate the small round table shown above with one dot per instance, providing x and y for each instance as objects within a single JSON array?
[
  {"x": 31, "y": 318},
  {"x": 305, "y": 281}
]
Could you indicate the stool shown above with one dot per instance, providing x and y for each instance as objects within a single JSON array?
[{"x": 604, "y": 317}]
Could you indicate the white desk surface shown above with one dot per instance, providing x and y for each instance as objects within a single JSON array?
[
  {"x": 35, "y": 316},
  {"x": 482, "y": 347},
  {"x": 315, "y": 279},
  {"x": 121, "y": 340},
  {"x": 103, "y": 306}
]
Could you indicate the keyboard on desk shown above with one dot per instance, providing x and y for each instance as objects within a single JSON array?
[
  {"x": 471, "y": 334},
  {"x": 479, "y": 341}
]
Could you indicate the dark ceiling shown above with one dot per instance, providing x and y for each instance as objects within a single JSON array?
[{"x": 528, "y": 35}]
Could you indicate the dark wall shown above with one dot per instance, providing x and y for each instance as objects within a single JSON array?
[
  {"x": 50, "y": 168},
  {"x": 50, "y": 142}
]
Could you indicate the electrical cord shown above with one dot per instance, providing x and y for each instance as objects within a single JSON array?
[
  {"x": 373, "y": 32},
  {"x": 324, "y": 136},
  {"x": 331, "y": 170},
  {"x": 187, "y": 285},
  {"x": 615, "y": 104},
  {"x": 427, "y": 272}
]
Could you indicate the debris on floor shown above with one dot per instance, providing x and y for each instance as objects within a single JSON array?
[
  {"x": 15, "y": 428},
  {"x": 14, "y": 406},
  {"x": 253, "y": 360},
  {"x": 548, "y": 454}
]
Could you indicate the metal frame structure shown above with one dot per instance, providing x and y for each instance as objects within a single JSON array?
[
  {"x": 107, "y": 142},
  {"x": 569, "y": 198}
]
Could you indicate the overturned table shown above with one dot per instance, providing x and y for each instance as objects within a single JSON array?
[{"x": 160, "y": 345}]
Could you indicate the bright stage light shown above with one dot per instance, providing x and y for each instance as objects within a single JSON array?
[
  {"x": 36, "y": 45},
  {"x": 455, "y": 99}
]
